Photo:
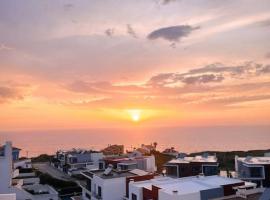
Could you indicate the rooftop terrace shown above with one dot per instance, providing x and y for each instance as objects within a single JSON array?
[
  {"x": 115, "y": 173},
  {"x": 188, "y": 184},
  {"x": 255, "y": 160},
  {"x": 201, "y": 159}
]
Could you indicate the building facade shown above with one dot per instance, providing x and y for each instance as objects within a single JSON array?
[
  {"x": 134, "y": 161},
  {"x": 255, "y": 169},
  {"x": 110, "y": 184},
  {"x": 192, "y": 166},
  {"x": 15, "y": 152},
  {"x": 189, "y": 188},
  {"x": 14, "y": 184},
  {"x": 76, "y": 160}
]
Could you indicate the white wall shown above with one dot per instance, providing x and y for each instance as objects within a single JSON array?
[
  {"x": 6, "y": 168},
  {"x": 84, "y": 191},
  {"x": 22, "y": 175},
  {"x": 114, "y": 189},
  {"x": 135, "y": 190},
  {"x": 165, "y": 196},
  {"x": 37, "y": 187},
  {"x": 23, "y": 164},
  {"x": 7, "y": 196},
  {"x": 151, "y": 164},
  {"x": 21, "y": 194},
  {"x": 96, "y": 157},
  {"x": 31, "y": 180}
]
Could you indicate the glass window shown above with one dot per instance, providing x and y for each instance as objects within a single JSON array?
[
  {"x": 133, "y": 196},
  {"x": 99, "y": 191},
  {"x": 255, "y": 172},
  {"x": 88, "y": 184},
  {"x": 100, "y": 166},
  {"x": 210, "y": 170},
  {"x": 87, "y": 195},
  {"x": 171, "y": 170}
]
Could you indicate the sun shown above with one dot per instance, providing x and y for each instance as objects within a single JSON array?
[
  {"x": 135, "y": 114},
  {"x": 135, "y": 117}
]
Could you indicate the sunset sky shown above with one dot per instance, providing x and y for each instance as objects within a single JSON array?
[{"x": 117, "y": 63}]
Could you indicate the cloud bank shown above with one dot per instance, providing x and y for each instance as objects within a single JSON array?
[
  {"x": 215, "y": 84},
  {"x": 172, "y": 33}
]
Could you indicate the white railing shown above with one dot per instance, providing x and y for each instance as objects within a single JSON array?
[{"x": 244, "y": 193}]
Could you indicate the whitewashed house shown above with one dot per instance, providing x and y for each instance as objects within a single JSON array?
[
  {"x": 110, "y": 184},
  {"x": 11, "y": 188},
  {"x": 255, "y": 169},
  {"x": 190, "y": 188}
]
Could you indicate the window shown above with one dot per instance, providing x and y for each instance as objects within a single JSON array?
[
  {"x": 124, "y": 167},
  {"x": 100, "y": 165},
  {"x": 196, "y": 170},
  {"x": 171, "y": 170},
  {"x": 99, "y": 191},
  {"x": 73, "y": 160},
  {"x": 133, "y": 196},
  {"x": 88, "y": 184},
  {"x": 87, "y": 195},
  {"x": 255, "y": 172},
  {"x": 210, "y": 170}
]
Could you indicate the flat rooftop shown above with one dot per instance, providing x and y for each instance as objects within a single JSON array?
[
  {"x": 187, "y": 185},
  {"x": 255, "y": 160},
  {"x": 77, "y": 151},
  {"x": 125, "y": 159},
  {"x": 202, "y": 159},
  {"x": 249, "y": 197},
  {"x": 39, "y": 189},
  {"x": 115, "y": 174}
]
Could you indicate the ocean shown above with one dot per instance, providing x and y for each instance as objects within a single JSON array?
[{"x": 184, "y": 139}]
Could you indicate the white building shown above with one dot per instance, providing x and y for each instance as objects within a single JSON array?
[
  {"x": 6, "y": 173},
  {"x": 190, "y": 188},
  {"x": 255, "y": 169},
  {"x": 14, "y": 188},
  {"x": 134, "y": 161},
  {"x": 27, "y": 176},
  {"x": 185, "y": 166},
  {"x": 24, "y": 163},
  {"x": 41, "y": 192},
  {"x": 77, "y": 160},
  {"x": 110, "y": 184}
]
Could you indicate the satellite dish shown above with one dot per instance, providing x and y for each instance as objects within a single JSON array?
[{"x": 108, "y": 170}]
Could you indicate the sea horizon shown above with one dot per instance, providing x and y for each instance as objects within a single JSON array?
[{"x": 182, "y": 138}]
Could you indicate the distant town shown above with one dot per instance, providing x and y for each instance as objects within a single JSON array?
[{"x": 141, "y": 174}]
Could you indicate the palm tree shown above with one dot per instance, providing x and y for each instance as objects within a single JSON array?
[{"x": 155, "y": 145}]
